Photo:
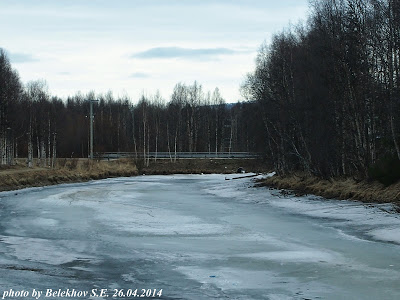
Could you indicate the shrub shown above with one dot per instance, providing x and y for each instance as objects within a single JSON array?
[
  {"x": 73, "y": 163},
  {"x": 62, "y": 162},
  {"x": 139, "y": 163},
  {"x": 386, "y": 170},
  {"x": 86, "y": 165}
]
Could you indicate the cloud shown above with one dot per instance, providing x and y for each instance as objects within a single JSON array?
[
  {"x": 16, "y": 57},
  {"x": 139, "y": 75},
  {"x": 183, "y": 53}
]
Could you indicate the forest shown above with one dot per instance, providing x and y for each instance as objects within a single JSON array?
[
  {"x": 39, "y": 126},
  {"x": 329, "y": 91},
  {"x": 324, "y": 99}
]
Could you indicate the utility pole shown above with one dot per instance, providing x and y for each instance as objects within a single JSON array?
[{"x": 91, "y": 127}]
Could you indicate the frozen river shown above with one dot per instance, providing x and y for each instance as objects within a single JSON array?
[{"x": 194, "y": 237}]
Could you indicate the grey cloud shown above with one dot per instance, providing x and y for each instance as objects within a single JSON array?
[{"x": 184, "y": 53}]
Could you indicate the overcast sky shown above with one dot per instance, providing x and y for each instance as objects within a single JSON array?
[{"x": 136, "y": 46}]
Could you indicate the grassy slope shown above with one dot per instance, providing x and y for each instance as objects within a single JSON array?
[
  {"x": 338, "y": 188},
  {"x": 76, "y": 170},
  {"x": 71, "y": 170}
]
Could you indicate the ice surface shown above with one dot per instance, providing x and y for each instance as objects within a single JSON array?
[
  {"x": 353, "y": 214},
  {"x": 389, "y": 234},
  {"x": 295, "y": 256},
  {"x": 40, "y": 250},
  {"x": 197, "y": 237}
]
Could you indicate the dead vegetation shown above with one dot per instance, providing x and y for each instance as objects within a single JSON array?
[
  {"x": 338, "y": 188},
  {"x": 198, "y": 166},
  {"x": 76, "y": 170},
  {"x": 67, "y": 170}
]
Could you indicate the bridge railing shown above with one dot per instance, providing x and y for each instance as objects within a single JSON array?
[{"x": 178, "y": 155}]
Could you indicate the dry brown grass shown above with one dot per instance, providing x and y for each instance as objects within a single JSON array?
[
  {"x": 67, "y": 170},
  {"x": 76, "y": 170},
  {"x": 338, "y": 188}
]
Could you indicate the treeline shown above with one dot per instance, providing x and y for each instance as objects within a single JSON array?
[
  {"x": 325, "y": 99},
  {"x": 34, "y": 124},
  {"x": 329, "y": 90}
]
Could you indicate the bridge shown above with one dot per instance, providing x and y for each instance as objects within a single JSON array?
[{"x": 180, "y": 155}]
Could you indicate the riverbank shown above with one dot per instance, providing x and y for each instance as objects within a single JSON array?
[
  {"x": 182, "y": 233},
  {"x": 201, "y": 166},
  {"x": 337, "y": 188},
  {"x": 80, "y": 170},
  {"x": 66, "y": 171}
]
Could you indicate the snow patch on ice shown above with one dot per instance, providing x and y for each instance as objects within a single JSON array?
[
  {"x": 129, "y": 277},
  {"x": 375, "y": 220},
  {"x": 237, "y": 279},
  {"x": 352, "y": 215},
  {"x": 311, "y": 256},
  {"x": 140, "y": 220},
  {"x": 40, "y": 250},
  {"x": 127, "y": 212},
  {"x": 350, "y": 237},
  {"x": 279, "y": 297},
  {"x": 45, "y": 222},
  {"x": 390, "y": 234},
  {"x": 227, "y": 278}
]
